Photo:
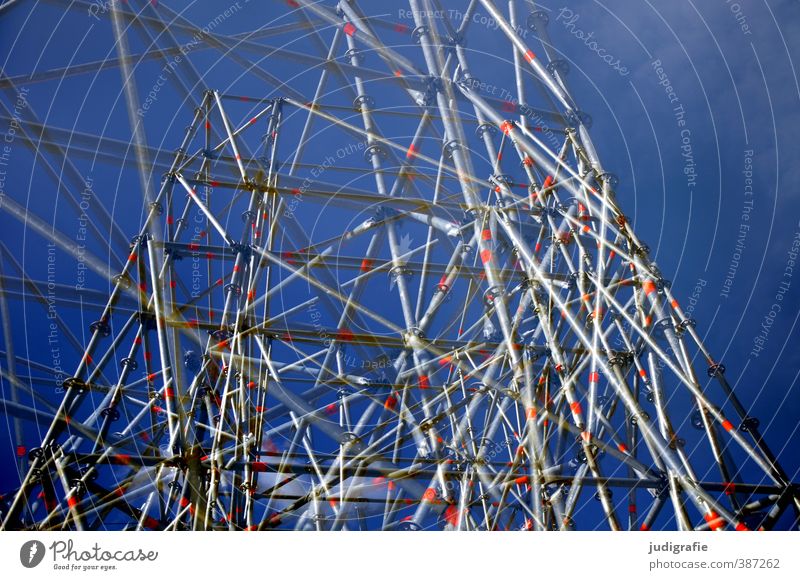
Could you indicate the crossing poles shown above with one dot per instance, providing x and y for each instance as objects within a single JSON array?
[{"x": 293, "y": 381}]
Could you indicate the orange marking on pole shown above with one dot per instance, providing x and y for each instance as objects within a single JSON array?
[
  {"x": 714, "y": 521},
  {"x": 576, "y": 407},
  {"x": 727, "y": 425},
  {"x": 649, "y": 287},
  {"x": 529, "y": 56},
  {"x": 486, "y": 255}
]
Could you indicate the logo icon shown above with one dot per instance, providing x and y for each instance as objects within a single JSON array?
[{"x": 31, "y": 553}]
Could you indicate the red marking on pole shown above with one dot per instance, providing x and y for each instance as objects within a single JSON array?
[
  {"x": 253, "y": 120},
  {"x": 674, "y": 304},
  {"x": 632, "y": 508},
  {"x": 445, "y": 360},
  {"x": 132, "y": 258},
  {"x": 398, "y": 73},
  {"x": 121, "y": 459},
  {"x": 293, "y": 3},
  {"x": 622, "y": 447},
  {"x": 486, "y": 234},
  {"x": 507, "y": 127},
  {"x": 727, "y": 425},
  {"x": 548, "y": 182},
  {"x": 151, "y": 523},
  {"x": 576, "y": 407},
  {"x": 169, "y": 393},
  {"x": 412, "y": 151},
  {"x": 527, "y": 161},
  {"x": 586, "y": 436},
  {"x": 72, "y": 501},
  {"x": 366, "y": 264},
  {"x": 258, "y": 467},
  {"x": 594, "y": 377},
  {"x": 740, "y": 527},
  {"x": 331, "y": 409},
  {"x": 486, "y": 255},
  {"x": 452, "y": 516},
  {"x": 649, "y": 287},
  {"x": 214, "y": 183},
  {"x": 714, "y": 521},
  {"x": 530, "y": 413},
  {"x": 390, "y": 403},
  {"x": 537, "y": 247},
  {"x": 208, "y": 124},
  {"x": 429, "y": 495},
  {"x": 295, "y": 191},
  {"x": 522, "y": 479},
  {"x": 509, "y": 107},
  {"x": 252, "y": 385},
  {"x": 21, "y": 451},
  {"x": 349, "y": 29},
  {"x": 648, "y": 320},
  {"x": 730, "y": 488},
  {"x": 529, "y": 56},
  {"x": 147, "y": 355},
  {"x": 344, "y": 335},
  {"x": 424, "y": 382},
  {"x": 644, "y": 527},
  {"x": 261, "y": 409}
]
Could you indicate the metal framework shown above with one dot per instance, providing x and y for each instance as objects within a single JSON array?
[{"x": 462, "y": 331}]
